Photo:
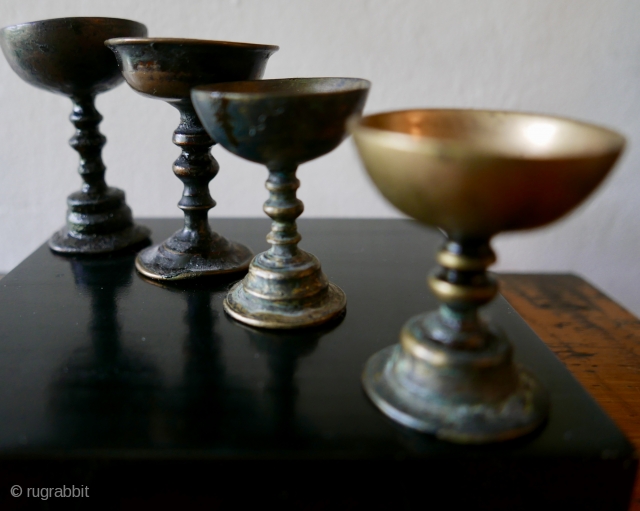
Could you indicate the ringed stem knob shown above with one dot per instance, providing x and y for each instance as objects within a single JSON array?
[
  {"x": 88, "y": 142},
  {"x": 195, "y": 167},
  {"x": 283, "y": 207},
  {"x": 461, "y": 281}
]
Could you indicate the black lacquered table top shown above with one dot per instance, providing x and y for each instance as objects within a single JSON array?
[{"x": 97, "y": 363}]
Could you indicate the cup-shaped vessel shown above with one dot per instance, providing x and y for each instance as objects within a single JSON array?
[
  {"x": 281, "y": 124},
  {"x": 167, "y": 69},
  {"x": 471, "y": 174},
  {"x": 67, "y": 56}
]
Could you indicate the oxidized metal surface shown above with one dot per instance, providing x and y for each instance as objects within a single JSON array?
[
  {"x": 471, "y": 174},
  {"x": 167, "y": 69},
  {"x": 281, "y": 124},
  {"x": 67, "y": 56},
  {"x": 425, "y": 407}
]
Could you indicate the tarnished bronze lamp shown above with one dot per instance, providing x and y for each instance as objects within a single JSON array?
[
  {"x": 281, "y": 124},
  {"x": 167, "y": 69},
  {"x": 472, "y": 174},
  {"x": 67, "y": 56}
]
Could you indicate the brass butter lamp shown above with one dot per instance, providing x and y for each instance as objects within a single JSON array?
[
  {"x": 167, "y": 69},
  {"x": 67, "y": 56},
  {"x": 282, "y": 124},
  {"x": 472, "y": 174}
]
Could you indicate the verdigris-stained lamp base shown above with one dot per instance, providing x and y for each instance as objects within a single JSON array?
[
  {"x": 451, "y": 402},
  {"x": 291, "y": 296}
]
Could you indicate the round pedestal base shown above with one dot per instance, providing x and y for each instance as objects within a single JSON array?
[
  {"x": 290, "y": 292},
  {"x": 174, "y": 259},
  {"x": 66, "y": 242},
  {"x": 293, "y": 313},
  {"x": 450, "y": 415}
]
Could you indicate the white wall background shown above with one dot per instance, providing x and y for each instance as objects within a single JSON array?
[{"x": 578, "y": 58}]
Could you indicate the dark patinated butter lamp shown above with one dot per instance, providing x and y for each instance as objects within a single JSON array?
[
  {"x": 473, "y": 174},
  {"x": 67, "y": 56},
  {"x": 167, "y": 69}
]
